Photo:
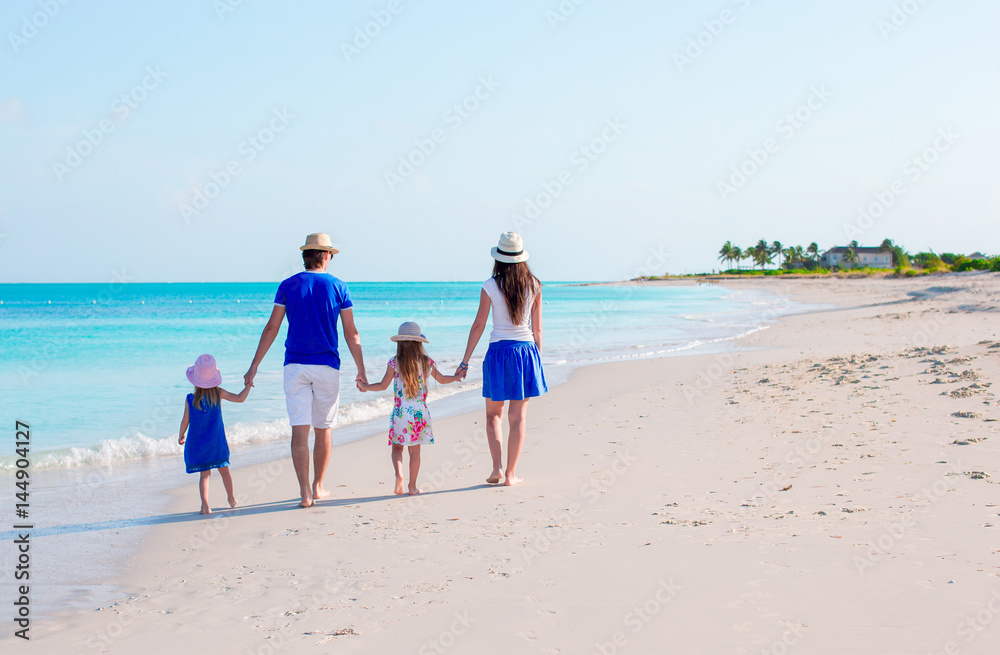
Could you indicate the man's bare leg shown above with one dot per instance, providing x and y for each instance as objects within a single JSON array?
[
  {"x": 321, "y": 459},
  {"x": 300, "y": 460}
]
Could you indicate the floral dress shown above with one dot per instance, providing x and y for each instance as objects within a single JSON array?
[{"x": 410, "y": 423}]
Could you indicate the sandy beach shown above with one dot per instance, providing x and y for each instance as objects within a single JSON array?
[{"x": 827, "y": 485}]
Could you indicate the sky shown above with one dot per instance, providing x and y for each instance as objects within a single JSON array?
[{"x": 201, "y": 140}]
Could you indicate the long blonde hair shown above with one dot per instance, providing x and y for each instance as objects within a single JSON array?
[
  {"x": 212, "y": 395},
  {"x": 411, "y": 361}
]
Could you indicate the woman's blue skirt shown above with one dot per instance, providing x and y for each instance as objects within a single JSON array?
[{"x": 512, "y": 370}]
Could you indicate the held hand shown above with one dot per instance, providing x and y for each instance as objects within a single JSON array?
[
  {"x": 362, "y": 378},
  {"x": 249, "y": 376}
]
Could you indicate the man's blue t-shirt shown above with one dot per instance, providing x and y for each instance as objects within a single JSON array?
[{"x": 312, "y": 303}]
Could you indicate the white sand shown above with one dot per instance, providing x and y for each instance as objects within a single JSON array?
[{"x": 803, "y": 496}]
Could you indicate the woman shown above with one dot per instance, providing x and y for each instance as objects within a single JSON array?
[{"x": 512, "y": 369}]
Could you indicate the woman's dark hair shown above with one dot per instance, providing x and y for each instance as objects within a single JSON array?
[
  {"x": 515, "y": 282},
  {"x": 313, "y": 259}
]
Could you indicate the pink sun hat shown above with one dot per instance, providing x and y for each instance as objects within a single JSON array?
[{"x": 204, "y": 374}]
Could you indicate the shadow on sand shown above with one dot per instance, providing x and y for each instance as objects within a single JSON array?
[{"x": 248, "y": 510}]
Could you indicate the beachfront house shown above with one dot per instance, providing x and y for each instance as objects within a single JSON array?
[{"x": 873, "y": 257}]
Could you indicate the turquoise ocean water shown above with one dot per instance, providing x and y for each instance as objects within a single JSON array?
[{"x": 97, "y": 371}]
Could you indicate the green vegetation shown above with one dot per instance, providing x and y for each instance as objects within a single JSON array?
[
  {"x": 808, "y": 261},
  {"x": 796, "y": 260}
]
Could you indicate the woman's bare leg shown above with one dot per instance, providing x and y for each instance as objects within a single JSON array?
[
  {"x": 516, "y": 416},
  {"x": 494, "y": 437}
]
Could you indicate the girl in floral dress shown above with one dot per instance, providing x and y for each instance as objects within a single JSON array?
[{"x": 410, "y": 423}]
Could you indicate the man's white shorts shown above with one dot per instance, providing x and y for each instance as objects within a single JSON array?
[{"x": 312, "y": 394}]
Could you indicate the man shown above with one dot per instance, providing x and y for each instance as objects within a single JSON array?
[{"x": 312, "y": 301}]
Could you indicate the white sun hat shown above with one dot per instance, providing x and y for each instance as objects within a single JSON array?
[{"x": 510, "y": 249}]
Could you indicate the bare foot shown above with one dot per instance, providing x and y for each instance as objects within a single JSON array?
[
  {"x": 232, "y": 501},
  {"x": 495, "y": 477},
  {"x": 399, "y": 487},
  {"x": 205, "y": 509},
  {"x": 320, "y": 492},
  {"x": 413, "y": 491},
  {"x": 306, "y": 502},
  {"x": 512, "y": 480}
]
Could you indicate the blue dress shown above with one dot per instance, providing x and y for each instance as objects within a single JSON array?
[{"x": 206, "y": 447}]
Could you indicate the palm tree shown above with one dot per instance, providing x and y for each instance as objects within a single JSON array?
[
  {"x": 726, "y": 253},
  {"x": 789, "y": 254},
  {"x": 776, "y": 248},
  {"x": 800, "y": 255},
  {"x": 762, "y": 253},
  {"x": 813, "y": 250},
  {"x": 853, "y": 245},
  {"x": 737, "y": 255},
  {"x": 888, "y": 246},
  {"x": 851, "y": 257}
]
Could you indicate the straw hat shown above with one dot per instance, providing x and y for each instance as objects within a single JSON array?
[
  {"x": 409, "y": 331},
  {"x": 204, "y": 373},
  {"x": 319, "y": 241},
  {"x": 510, "y": 249}
]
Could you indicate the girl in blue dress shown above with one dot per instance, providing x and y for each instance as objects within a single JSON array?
[{"x": 205, "y": 446}]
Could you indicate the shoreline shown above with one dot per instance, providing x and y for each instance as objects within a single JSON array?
[
  {"x": 604, "y": 496},
  {"x": 83, "y": 532}
]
